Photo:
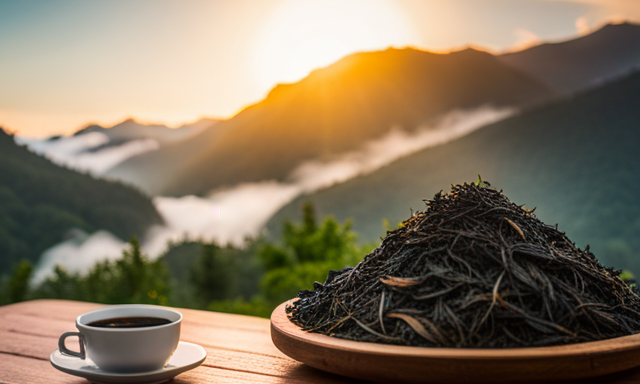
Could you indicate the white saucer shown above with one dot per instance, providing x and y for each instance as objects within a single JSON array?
[{"x": 187, "y": 356}]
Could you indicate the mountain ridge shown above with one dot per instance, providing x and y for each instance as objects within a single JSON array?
[
  {"x": 579, "y": 64},
  {"x": 333, "y": 110},
  {"x": 130, "y": 129}
]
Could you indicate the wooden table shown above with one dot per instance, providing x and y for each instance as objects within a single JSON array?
[{"x": 239, "y": 348}]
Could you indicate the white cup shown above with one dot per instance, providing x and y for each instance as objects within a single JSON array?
[{"x": 139, "y": 349}]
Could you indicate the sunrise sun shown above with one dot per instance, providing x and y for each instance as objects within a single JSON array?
[{"x": 300, "y": 36}]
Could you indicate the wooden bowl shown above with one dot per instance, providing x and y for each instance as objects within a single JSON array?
[{"x": 383, "y": 363}]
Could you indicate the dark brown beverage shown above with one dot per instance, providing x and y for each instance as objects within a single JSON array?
[{"x": 130, "y": 322}]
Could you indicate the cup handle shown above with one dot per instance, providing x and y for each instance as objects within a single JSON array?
[{"x": 64, "y": 349}]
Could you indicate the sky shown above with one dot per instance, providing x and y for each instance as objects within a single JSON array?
[{"x": 67, "y": 63}]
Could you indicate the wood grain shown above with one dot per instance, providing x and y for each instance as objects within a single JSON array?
[
  {"x": 239, "y": 348},
  {"x": 398, "y": 364}
]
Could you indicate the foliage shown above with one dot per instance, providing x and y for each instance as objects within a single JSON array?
[
  {"x": 307, "y": 252},
  {"x": 626, "y": 276},
  {"x": 40, "y": 202},
  {"x": 254, "y": 278},
  {"x": 481, "y": 183},
  {"x": 256, "y": 306},
  {"x": 193, "y": 263},
  {"x": 18, "y": 284},
  {"x": 251, "y": 279},
  {"x": 209, "y": 276},
  {"x": 132, "y": 279}
]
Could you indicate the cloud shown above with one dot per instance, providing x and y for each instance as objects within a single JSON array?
[
  {"x": 611, "y": 11},
  {"x": 79, "y": 253},
  {"x": 227, "y": 216},
  {"x": 314, "y": 175},
  {"x": 526, "y": 39},
  {"x": 231, "y": 215},
  {"x": 74, "y": 151},
  {"x": 582, "y": 26}
]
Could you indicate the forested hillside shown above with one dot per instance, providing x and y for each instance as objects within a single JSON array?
[
  {"x": 582, "y": 63},
  {"x": 40, "y": 202}
]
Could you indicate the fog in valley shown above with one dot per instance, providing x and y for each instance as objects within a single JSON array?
[{"x": 233, "y": 214}]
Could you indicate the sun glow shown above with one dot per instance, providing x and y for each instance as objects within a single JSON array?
[{"x": 302, "y": 35}]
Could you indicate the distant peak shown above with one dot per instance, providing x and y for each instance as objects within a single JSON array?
[
  {"x": 471, "y": 51},
  {"x": 128, "y": 122},
  {"x": 280, "y": 89},
  {"x": 202, "y": 120},
  {"x": 88, "y": 128},
  {"x": 468, "y": 49},
  {"x": 623, "y": 26}
]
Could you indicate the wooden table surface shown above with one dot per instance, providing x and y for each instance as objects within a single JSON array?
[{"x": 239, "y": 348}]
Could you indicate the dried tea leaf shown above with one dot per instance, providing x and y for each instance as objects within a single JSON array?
[
  {"x": 400, "y": 281},
  {"x": 515, "y": 226},
  {"x": 416, "y": 325}
]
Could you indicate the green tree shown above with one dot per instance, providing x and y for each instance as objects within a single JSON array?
[
  {"x": 61, "y": 285},
  {"x": 132, "y": 279},
  {"x": 132, "y": 272},
  {"x": 210, "y": 275},
  {"x": 307, "y": 252},
  {"x": 19, "y": 282},
  {"x": 310, "y": 242}
]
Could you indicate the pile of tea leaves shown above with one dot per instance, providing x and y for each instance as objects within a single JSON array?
[{"x": 473, "y": 271}]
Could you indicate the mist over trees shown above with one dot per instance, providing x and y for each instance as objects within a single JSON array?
[
  {"x": 40, "y": 202},
  {"x": 252, "y": 279}
]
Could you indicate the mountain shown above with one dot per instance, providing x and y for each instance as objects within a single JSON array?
[
  {"x": 333, "y": 110},
  {"x": 96, "y": 149},
  {"x": 151, "y": 169},
  {"x": 582, "y": 63},
  {"x": 132, "y": 130},
  {"x": 40, "y": 202},
  {"x": 576, "y": 160}
]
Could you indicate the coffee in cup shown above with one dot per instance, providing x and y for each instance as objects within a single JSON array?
[
  {"x": 126, "y": 338},
  {"x": 130, "y": 322}
]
